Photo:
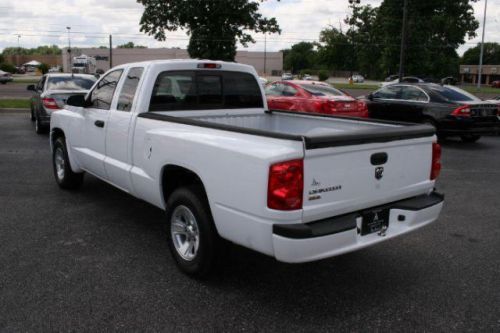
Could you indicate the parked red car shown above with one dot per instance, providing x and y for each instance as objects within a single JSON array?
[
  {"x": 495, "y": 84},
  {"x": 313, "y": 97}
]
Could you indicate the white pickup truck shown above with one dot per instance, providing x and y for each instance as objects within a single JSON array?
[{"x": 195, "y": 138}]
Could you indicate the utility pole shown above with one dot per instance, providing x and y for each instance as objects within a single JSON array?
[
  {"x": 353, "y": 44},
  {"x": 18, "y": 49},
  {"x": 110, "y": 51},
  {"x": 69, "y": 50},
  {"x": 403, "y": 42},
  {"x": 480, "y": 70},
  {"x": 265, "y": 53}
]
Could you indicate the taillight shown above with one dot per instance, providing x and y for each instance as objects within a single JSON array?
[
  {"x": 462, "y": 111},
  {"x": 50, "y": 103},
  {"x": 330, "y": 107},
  {"x": 286, "y": 185},
  {"x": 363, "y": 107},
  {"x": 436, "y": 161},
  {"x": 209, "y": 66}
]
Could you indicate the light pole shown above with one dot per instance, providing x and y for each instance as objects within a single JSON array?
[
  {"x": 69, "y": 49},
  {"x": 265, "y": 53},
  {"x": 403, "y": 42},
  {"x": 480, "y": 69},
  {"x": 353, "y": 61}
]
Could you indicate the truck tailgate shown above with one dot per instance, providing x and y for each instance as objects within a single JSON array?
[{"x": 344, "y": 179}]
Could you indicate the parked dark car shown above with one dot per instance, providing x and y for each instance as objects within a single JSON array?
[
  {"x": 449, "y": 80},
  {"x": 452, "y": 111},
  {"x": 52, "y": 91},
  {"x": 495, "y": 84}
]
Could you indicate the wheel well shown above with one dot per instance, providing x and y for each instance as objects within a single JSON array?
[
  {"x": 174, "y": 176},
  {"x": 56, "y": 134}
]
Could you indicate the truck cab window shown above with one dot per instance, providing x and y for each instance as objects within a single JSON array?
[
  {"x": 102, "y": 95},
  {"x": 129, "y": 88}
]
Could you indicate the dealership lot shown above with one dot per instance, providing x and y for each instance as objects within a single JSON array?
[{"x": 96, "y": 260}]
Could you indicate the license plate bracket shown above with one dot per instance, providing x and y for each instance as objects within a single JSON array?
[{"x": 374, "y": 221}]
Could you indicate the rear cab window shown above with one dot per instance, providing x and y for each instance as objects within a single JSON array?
[{"x": 201, "y": 90}]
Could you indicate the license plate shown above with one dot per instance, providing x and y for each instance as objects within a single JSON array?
[{"x": 374, "y": 221}]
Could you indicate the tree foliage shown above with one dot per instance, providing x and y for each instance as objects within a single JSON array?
[
  {"x": 301, "y": 56},
  {"x": 40, "y": 50},
  {"x": 491, "y": 54},
  {"x": 131, "y": 45},
  {"x": 214, "y": 26}
]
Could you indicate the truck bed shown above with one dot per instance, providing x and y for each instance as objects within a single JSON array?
[{"x": 317, "y": 131}]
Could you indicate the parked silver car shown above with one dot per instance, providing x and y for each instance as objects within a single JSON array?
[
  {"x": 5, "y": 77},
  {"x": 51, "y": 92}
]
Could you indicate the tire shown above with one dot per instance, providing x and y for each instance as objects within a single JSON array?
[
  {"x": 192, "y": 238},
  {"x": 470, "y": 138},
  {"x": 39, "y": 128},
  {"x": 431, "y": 122},
  {"x": 65, "y": 177},
  {"x": 32, "y": 115}
]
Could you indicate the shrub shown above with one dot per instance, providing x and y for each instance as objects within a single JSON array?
[
  {"x": 44, "y": 68},
  {"x": 8, "y": 68},
  {"x": 323, "y": 75}
]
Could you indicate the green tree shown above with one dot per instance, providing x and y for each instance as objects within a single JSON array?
[
  {"x": 335, "y": 50},
  {"x": 131, "y": 45},
  {"x": 301, "y": 56},
  {"x": 40, "y": 50},
  {"x": 491, "y": 54},
  {"x": 214, "y": 26}
]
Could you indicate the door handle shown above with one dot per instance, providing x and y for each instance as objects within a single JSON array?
[{"x": 99, "y": 123}]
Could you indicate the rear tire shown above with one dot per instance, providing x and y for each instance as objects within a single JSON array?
[
  {"x": 432, "y": 122},
  {"x": 65, "y": 177},
  {"x": 191, "y": 233},
  {"x": 470, "y": 138},
  {"x": 32, "y": 116},
  {"x": 39, "y": 127}
]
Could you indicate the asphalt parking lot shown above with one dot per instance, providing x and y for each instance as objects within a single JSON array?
[{"x": 96, "y": 259}]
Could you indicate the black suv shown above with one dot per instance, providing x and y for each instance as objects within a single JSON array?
[{"x": 453, "y": 111}]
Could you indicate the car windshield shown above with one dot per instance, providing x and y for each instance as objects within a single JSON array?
[
  {"x": 454, "y": 94},
  {"x": 70, "y": 83},
  {"x": 321, "y": 90}
]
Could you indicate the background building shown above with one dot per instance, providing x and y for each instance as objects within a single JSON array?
[
  {"x": 469, "y": 73},
  {"x": 273, "y": 61}
]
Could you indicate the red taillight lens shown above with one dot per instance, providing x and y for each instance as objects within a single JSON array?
[
  {"x": 462, "y": 111},
  {"x": 330, "y": 107},
  {"x": 436, "y": 161},
  {"x": 363, "y": 107},
  {"x": 50, "y": 103},
  {"x": 286, "y": 185},
  {"x": 209, "y": 66}
]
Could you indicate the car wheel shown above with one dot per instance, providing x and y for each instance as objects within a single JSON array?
[
  {"x": 39, "y": 127},
  {"x": 32, "y": 114},
  {"x": 431, "y": 122},
  {"x": 191, "y": 234},
  {"x": 65, "y": 177},
  {"x": 470, "y": 138}
]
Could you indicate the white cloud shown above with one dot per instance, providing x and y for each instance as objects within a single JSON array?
[{"x": 41, "y": 22}]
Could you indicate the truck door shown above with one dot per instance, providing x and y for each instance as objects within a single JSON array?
[
  {"x": 118, "y": 160},
  {"x": 93, "y": 150}
]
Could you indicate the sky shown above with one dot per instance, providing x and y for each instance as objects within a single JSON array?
[{"x": 42, "y": 22}]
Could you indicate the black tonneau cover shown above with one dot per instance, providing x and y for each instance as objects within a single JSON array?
[{"x": 401, "y": 131}]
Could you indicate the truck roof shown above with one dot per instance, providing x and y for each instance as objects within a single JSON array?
[{"x": 192, "y": 64}]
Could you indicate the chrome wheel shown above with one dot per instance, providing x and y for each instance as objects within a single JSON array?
[
  {"x": 185, "y": 233},
  {"x": 59, "y": 162}
]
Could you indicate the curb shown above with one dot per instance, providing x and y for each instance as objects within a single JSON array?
[{"x": 14, "y": 110}]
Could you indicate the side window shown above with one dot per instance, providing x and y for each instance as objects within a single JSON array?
[
  {"x": 129, "y": 88},
  {"x": 413, "y": 94},
  {"x": 390, "y": 92},
  {"x": 41, "y": 83},
  {"x": 275, "y": 89},
  {"x": 174, "y": 91},
  {"x": 289, "y": 91},
  {"x": 102, "y": 95}
]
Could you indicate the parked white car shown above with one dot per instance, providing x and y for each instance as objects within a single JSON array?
[
  {"x": 357, "y": 78},
  {"x": 195, "y": 138}
]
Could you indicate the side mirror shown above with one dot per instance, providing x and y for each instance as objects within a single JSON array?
[
  {"x": 76, "y": 100},
  {"x": 31, "y": 87}
]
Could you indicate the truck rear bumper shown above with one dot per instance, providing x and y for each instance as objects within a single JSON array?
[{"x": 295, "y": 243}]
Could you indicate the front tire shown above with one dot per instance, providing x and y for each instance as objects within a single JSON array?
[
  {"x": 470, "y": 138},
  {"x": 65, "y": 177},
  {"x": 191, "y": 234}
]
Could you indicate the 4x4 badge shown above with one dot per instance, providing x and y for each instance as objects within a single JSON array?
[{"x": 379, "y": 173}]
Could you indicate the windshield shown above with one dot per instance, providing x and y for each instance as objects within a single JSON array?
[
  {"x": 454, "y": 94},
  {"x": 70, "y": 83},
  {"x": 321, "y": 90}
]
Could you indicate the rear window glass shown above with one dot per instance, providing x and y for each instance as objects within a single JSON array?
[
  {"x": 70, "y": 83},
  {"x": 454, "y": 94},
  {"x": 320, "y": 90},
  {"x": 189, "y": 90}
]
